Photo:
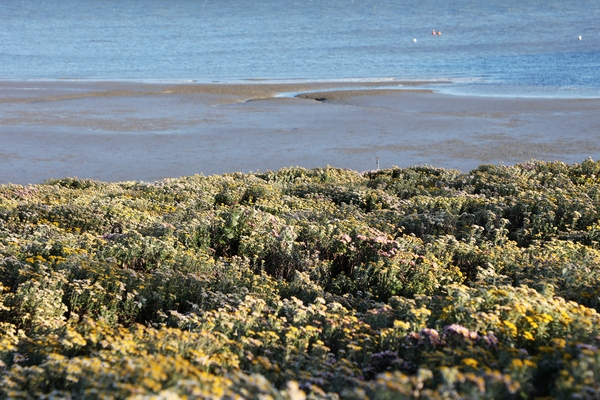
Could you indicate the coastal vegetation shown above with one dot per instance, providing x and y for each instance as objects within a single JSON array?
[{"x": 324, "y": 283}]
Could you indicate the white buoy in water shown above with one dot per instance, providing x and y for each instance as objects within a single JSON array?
[
  {"x": 579, "y": 37},
  {"x": 415, "y": 40}
]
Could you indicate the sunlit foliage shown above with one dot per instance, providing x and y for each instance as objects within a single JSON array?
[{"x": 294, "y": 284}]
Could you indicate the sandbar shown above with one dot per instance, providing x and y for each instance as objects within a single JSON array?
[{"x": 124, "y": 131}]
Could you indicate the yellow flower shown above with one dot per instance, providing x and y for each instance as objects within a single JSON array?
[
  {"x": 401, "y": 325},
  {"x": 470, "y": 362},
  {"x": 528, "y": 336},
  {"x": 565, "y": 318},
  {"x": 533, "y": 324},
  {"x": 516, "y": 363},
  {"x": 520, "y": 308},
  {"x": 545, "y": 318},
  {"x": 354, "y": 347},
  {"x": 417, "y": 312},
  {"x": 511, "y": 326}
]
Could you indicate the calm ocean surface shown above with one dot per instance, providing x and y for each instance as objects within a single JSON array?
[{"x": 512, "y": 48}]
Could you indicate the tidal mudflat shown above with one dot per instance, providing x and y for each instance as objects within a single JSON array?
[{"x": 135, "y": 131}]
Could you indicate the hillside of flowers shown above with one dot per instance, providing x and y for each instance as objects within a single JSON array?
[{"x": 305, "y": 284}]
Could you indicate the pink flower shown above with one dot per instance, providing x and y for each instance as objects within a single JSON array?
[
  {"x": 456, "y": 330},
  {"x": 346, "y": 238},
  {"x": 432, "y": 335}
]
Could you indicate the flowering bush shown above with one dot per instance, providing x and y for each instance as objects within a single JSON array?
[{"x": 294, "y": 284}]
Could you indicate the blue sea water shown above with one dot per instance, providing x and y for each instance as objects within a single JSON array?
[{"x": 508, "y": 48}]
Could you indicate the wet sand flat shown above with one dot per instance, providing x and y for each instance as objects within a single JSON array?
[{"x": 134, "y": 131}]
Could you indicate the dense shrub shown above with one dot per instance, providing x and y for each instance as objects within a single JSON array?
[{"x": 327, "y": 283}]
